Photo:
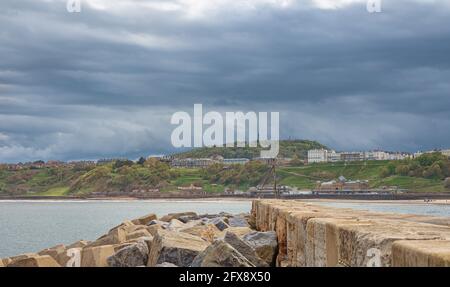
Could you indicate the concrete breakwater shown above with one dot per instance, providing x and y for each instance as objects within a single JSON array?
[{"x": 314, "y": 235}]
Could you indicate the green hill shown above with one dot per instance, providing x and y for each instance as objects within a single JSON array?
[
  {"x": 288, "y": 149},
  {"x": 427, "y": 173}
]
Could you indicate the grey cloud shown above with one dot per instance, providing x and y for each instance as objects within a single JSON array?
[{"x": 105, "y": 82}]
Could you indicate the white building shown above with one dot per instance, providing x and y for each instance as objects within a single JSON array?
[
  {"x": 446, "y": 152},
  {"x": 317, "y": 155},
  {"x": 333, "y": 156},
  {"x": 398, "y": 156},
  {"x": 230, "y": 161},
  {"x": 376, "y": 155}
]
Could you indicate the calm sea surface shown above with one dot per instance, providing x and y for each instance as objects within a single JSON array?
[{"x": 30, "y": 226}]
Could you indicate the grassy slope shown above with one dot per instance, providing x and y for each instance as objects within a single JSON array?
[
  {"x": 56, "y": 191},
  {"x": 42, "y": 182},
  {"x": 56, "y": 182},
  {"x": 305, "y": 176}
]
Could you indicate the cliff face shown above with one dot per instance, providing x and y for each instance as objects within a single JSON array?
[{"x": 314, "y": 235}]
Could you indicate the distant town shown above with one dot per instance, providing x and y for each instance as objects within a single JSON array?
[
  {"x": 313, "y": 156},
  {"x": 303, "y": 167},
  {"x": 324, "y": 155}
]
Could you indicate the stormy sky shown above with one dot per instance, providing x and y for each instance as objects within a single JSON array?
[{"x": 104, "y": 82}]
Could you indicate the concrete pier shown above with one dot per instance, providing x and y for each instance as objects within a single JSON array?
[{"x": 314, "y": 235}]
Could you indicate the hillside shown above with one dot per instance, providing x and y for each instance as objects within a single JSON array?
[
  {"x": 288, "y": 149},
  {"x": 425, "y": 174},
  {"x": 305, "y": 177}
]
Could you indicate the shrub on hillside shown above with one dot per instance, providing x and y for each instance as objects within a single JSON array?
[
  {"x": 447, "y": 183},
  {"x": 402, "y": 169}
]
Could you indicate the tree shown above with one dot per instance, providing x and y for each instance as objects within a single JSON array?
[
  {"x": 447, "y": 183},
  {"x": 433, "y": 172},
  {"x": 388, "y": 170},
  {"x": 119, "y": 163},
  {"x": 141, "y": 161},
  {"x": 296, "y": 161},
  {"x": 402, "y": 170}
]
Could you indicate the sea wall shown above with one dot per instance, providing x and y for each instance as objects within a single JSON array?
[{"x": 313, "y": 235}]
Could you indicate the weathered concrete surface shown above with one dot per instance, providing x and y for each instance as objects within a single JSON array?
[
  {"x": 137, "y": 234},
  {"x": 421, "y": 253},
  {"x": 171, "y": 216},
  {"x": 144, "y": 220},
  {"x": 314, "y": 235}
]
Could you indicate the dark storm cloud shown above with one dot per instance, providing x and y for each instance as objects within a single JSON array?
[{"x": 105, "y": 81}]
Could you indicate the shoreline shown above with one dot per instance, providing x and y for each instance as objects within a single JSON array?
[
  {"x": 126, "y": 199},
  {"x": 443, "y": 202}
]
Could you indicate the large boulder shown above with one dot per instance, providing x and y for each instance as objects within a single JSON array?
[
  {"x": 188, "y": 218},
  {"x": 144, "y": 220},
  {"x": 158, "y": 224},
  {"x": 175, "y": 224},
  {"x": 219, "y": 222},
  {"x": 225, "y": 214},
  {"x": 138, "y": 234},
  {"x": 131, "y": 256},
  {"x": 35, "y": 261},
  {"x": 175, "y": 247},
  {"x": 153, "y": 229},
  {"x": 59, "y": 253},
  {"x": 53, "y": 251},
  {"x": 96, "y": 256},
  {"x": 264, "y": 243},
  {"x": 171, "y": 216},
  {"x": 116, "y": 235},
  {"x": 22, "y": 256},
  {"x": 133, "y": 228},
  {"x": 220, "y": 254},
  {"x": 239, "y": 231},
  {"x": 206, "y": 232},
  {"x": 238, "y": 221},
  {"x": 193, "y": 223},
  {"x": 123, "y": 225},
  {"x": 246, "y": 250},
  {"x": 6, "y": 261},
  {"x": 78, "y": 244}
]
